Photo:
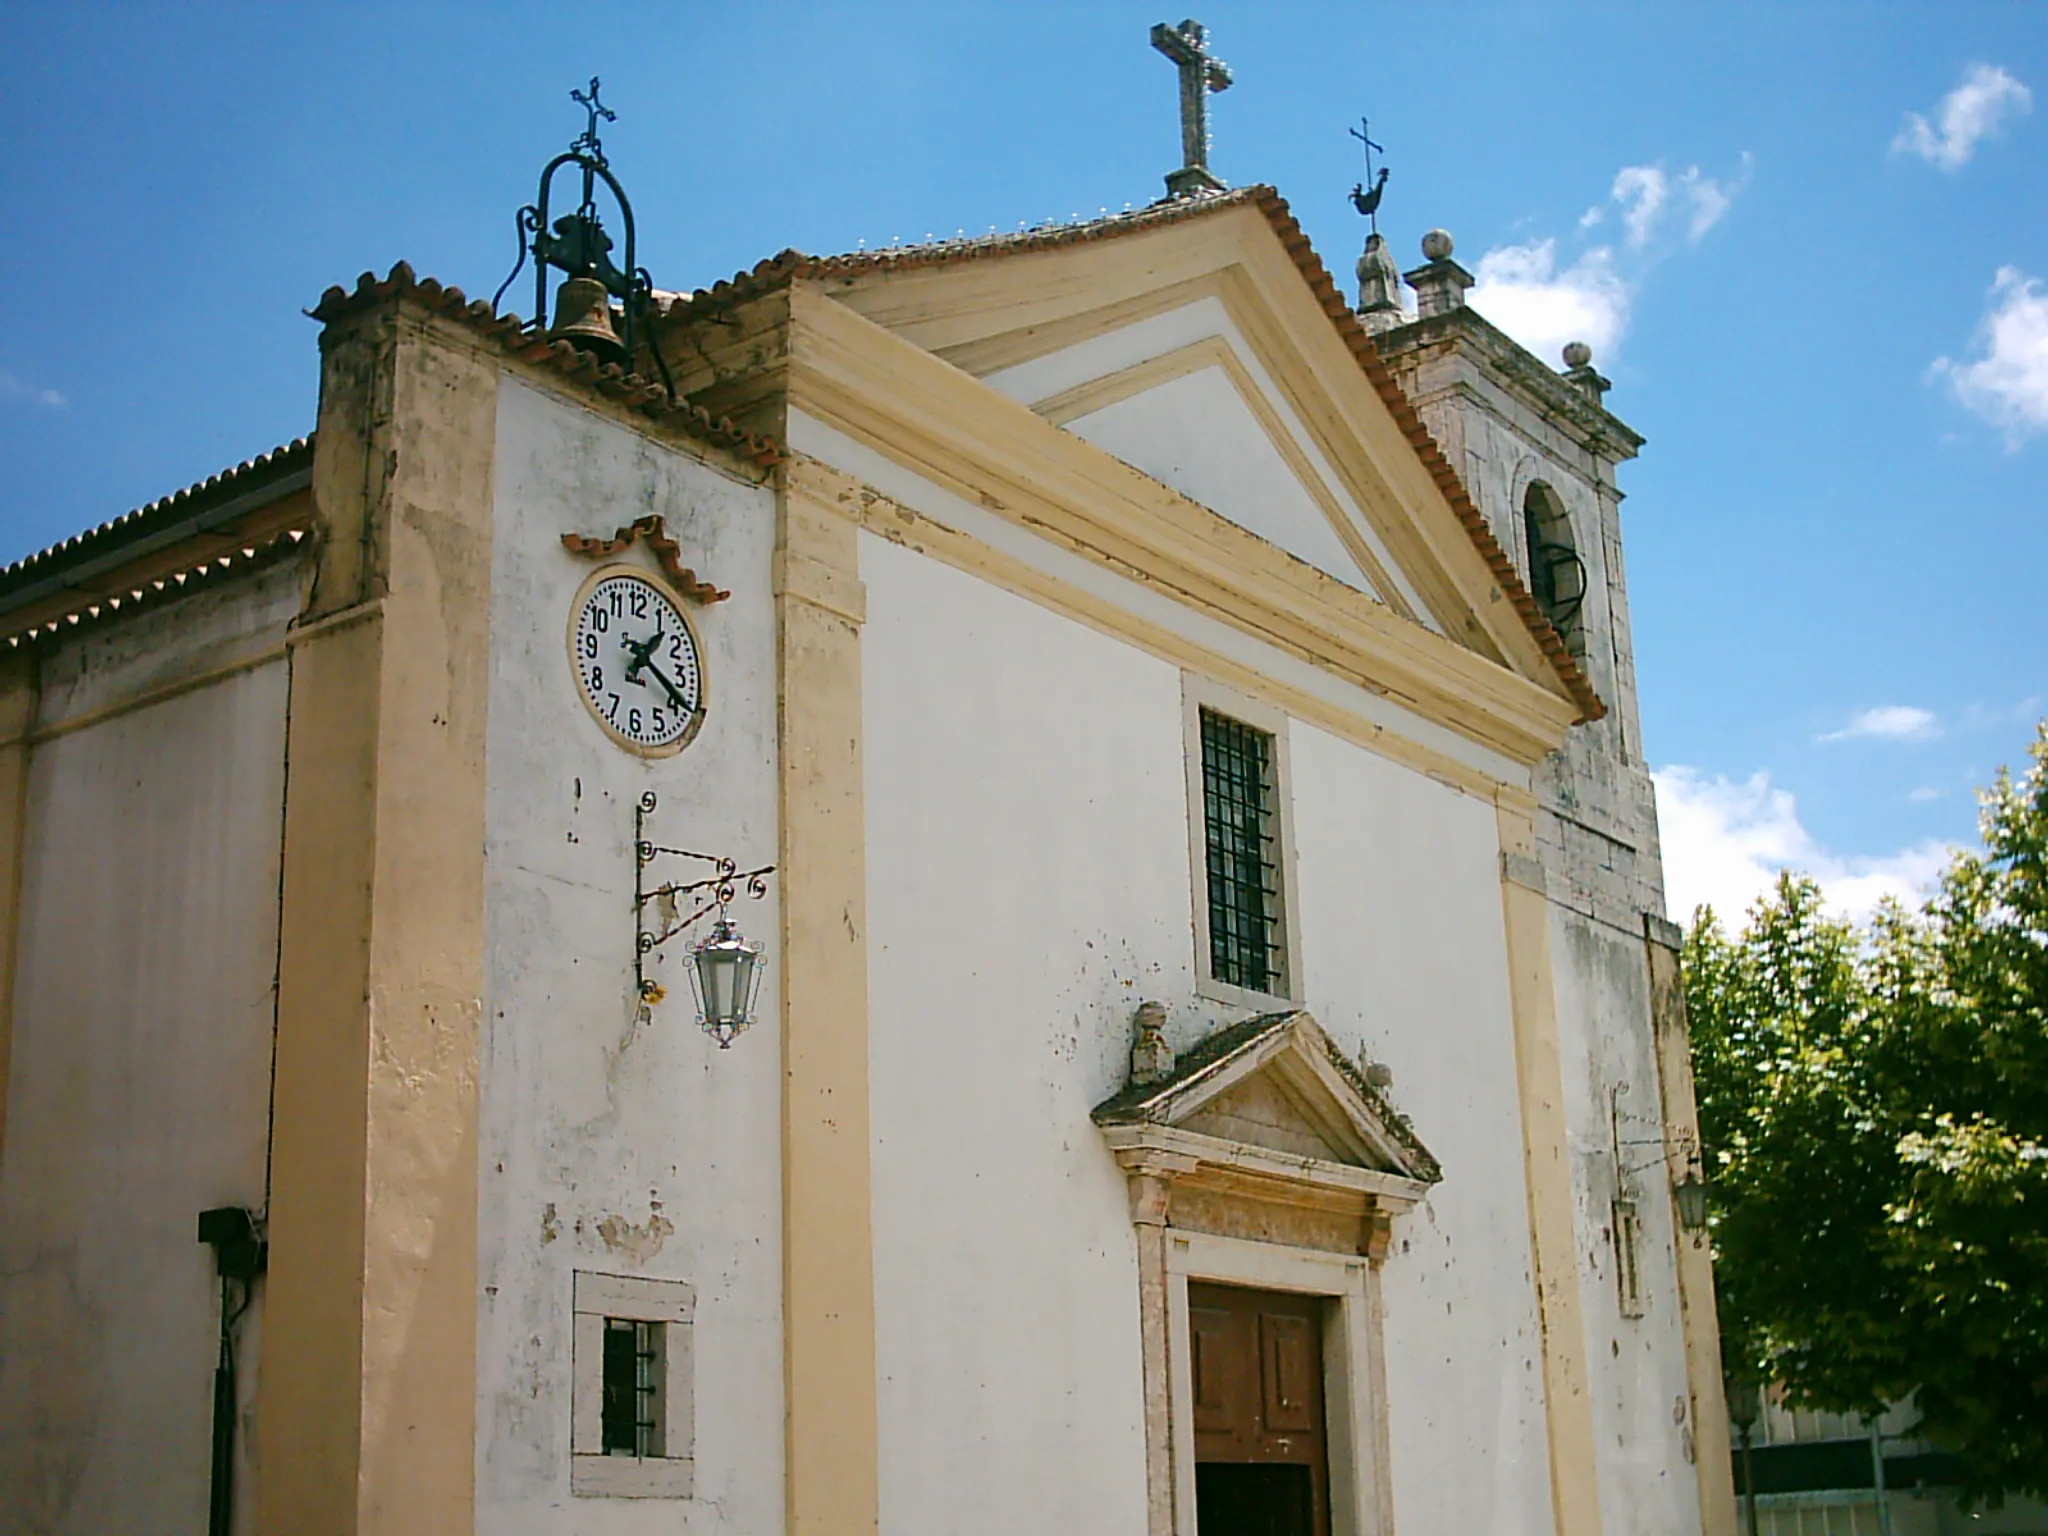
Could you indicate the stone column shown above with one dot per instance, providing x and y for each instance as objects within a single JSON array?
[
  {"x": 828, "y": 1268},
  {"x": 367, "y": 1409},
  {"x": 1150, "y": 1193}
]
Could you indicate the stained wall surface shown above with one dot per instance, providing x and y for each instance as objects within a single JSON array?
[
  {"x": 611, "y": 1143},
  {"x": 139, "y": 1089},
  {"x": 1029, "y": 883}
]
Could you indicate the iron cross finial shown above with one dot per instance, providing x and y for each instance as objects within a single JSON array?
[
  {"x": 1201, "y": 73},
  {"x": 1365, "y": 197},
  {"x": 589, "y": 144}
]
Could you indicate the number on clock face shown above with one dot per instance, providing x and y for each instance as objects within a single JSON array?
[{"x": 636, "y": 662}]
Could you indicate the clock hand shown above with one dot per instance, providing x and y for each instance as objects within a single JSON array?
[
  {"x": 640, "y": 653},
  {"x": 675, "y": 697},
  {"x": 643, "y": 658}
]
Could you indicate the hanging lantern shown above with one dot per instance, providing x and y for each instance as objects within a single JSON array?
[
  {"x": 725, "y": 974},
  {"x": 1690, "y": 1193}
]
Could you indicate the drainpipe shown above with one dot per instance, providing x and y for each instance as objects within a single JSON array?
[{"x": 239, "y": 1256}]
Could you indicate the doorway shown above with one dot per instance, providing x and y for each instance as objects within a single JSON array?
[{"x": 1261, "y": 1441}]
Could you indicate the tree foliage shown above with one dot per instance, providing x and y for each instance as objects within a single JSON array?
[{"x": 1875, "y": 1109}]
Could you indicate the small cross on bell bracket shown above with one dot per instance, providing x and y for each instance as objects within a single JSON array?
[{"x": 578, "y": 246}]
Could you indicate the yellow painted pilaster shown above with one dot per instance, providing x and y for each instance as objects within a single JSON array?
[
  {"x": 369, "y": 1339},
  {"x": 1699, "y": 1320},
  {"x": 1574, "y": 1478},
  {"x": 17, "y": 718},
  {"x": 827, "y": 1237}
]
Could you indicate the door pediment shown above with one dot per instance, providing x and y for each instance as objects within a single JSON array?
[{"x": 1270, "y": 1100}]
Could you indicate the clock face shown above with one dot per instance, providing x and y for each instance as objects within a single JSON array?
[{"x": 635, "y": 659}]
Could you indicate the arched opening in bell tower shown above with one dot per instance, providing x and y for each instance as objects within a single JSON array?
[{"x": 1557, "y": 573}]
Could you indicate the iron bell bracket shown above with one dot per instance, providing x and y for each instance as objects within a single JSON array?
[{"x": 577, "y": 245}]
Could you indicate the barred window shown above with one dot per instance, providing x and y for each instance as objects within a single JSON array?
[
  {"x": 632, "y": 1406},
  {"x": 1241, "y": 837}
]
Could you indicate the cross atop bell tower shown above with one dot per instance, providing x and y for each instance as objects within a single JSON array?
[{"x": 1200, "y": 73}]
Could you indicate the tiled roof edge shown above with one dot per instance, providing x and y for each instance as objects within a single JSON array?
[
  {"x": 512, "y": 335},
  {"x": 251, "y": 476},
  {"x": 779, "y": 270}
]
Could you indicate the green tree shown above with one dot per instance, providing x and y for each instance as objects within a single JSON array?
[{"x": 1875, "y": 1109}]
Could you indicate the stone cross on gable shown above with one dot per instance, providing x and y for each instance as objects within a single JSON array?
[{"x": 1200, "y": 73}]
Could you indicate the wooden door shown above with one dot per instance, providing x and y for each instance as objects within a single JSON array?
[{"x": 1261, "y": 1445}]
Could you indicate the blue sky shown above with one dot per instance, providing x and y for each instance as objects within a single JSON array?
[{"x": 1809, "y": 243}]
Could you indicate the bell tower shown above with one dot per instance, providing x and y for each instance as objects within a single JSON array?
[{"x": 1539, "y": 450}]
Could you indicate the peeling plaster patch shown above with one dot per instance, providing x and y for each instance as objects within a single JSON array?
[{"x": 638, "y": 1243}]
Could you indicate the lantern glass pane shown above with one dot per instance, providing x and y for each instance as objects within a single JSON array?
[
  {"x": 1692, "y": 1203},
  {"x": 719, "y": 969}
]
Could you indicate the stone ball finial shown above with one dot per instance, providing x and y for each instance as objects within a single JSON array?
[
  {"x": 1577, "y": 354},
  {"x": 1436, "y": 245}
]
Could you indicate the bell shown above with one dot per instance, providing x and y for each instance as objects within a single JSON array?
[{"x": 583, "y": 318}]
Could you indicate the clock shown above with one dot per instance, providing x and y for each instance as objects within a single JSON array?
[{"x": 635, "y": 660}]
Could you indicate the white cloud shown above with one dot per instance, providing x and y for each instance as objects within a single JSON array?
[
  {"x": 1520, "y": 289},
  {"x": 1968, "y": 115},
  {"x": 1641, "y": 191},
  {"x": 2008, "y": 384},
  {"x": 1523, "y": 290},
  {"x": 1925, "y": 793},
  {"x": 1888, "y": 722},
  {"x": 12, "y": 388},
  {"x": 1724, "y": 843},
  {"x": 1644, "y": 194},
  {"x": 1710, "y": 199}
]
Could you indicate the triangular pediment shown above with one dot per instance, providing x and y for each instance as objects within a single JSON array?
[
  {"x": 1274, "y": 1092},
  {"x": 1203, "y": 349},
  {"x": 1204, "y": 418}
]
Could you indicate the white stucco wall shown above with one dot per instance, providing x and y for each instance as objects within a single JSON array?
[
  {"x": 1404, "y": 951},
  {"x": 1027, "y": 887},
  {"x": 1196, "y": 434},
  {"x": 139, "y": 1088},
  {"x": 1029, "y": 883},
  {"x": 610, "y": 1145}
]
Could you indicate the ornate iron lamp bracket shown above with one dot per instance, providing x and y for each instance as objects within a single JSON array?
[{"x": 668, "y": 908}]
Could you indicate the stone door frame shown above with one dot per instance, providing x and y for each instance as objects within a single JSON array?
[{"x": 1354, "y": 1367}]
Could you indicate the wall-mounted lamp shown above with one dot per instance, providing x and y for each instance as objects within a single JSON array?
[
  {"x": 725, "y": 973},
  {"x": 1690, "y": 1195},
  {"x": 726, "y": 968}
]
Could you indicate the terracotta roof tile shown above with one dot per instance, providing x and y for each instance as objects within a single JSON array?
[
  {"x": 515, "y": 337},
  {"x": 224, "y": 521},
  {"x": 777, "y": 271},
  {"x": 277, "y": 463}
]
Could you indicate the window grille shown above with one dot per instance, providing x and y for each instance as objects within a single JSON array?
[
  {"x": 632, "y": 1388},
  {"x": 1242, "y": 841}
]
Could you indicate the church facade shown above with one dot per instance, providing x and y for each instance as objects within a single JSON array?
[{"x": 1164, "y": 741}]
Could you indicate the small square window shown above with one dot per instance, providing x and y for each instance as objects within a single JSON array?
[
  {"x": 1240, "y": 841},
  {"x": 631, "y": 1418}
]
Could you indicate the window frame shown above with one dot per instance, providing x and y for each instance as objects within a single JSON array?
[
  {"x": 1200, "y": 693},
  {"x": 597, "y": 1301}
]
